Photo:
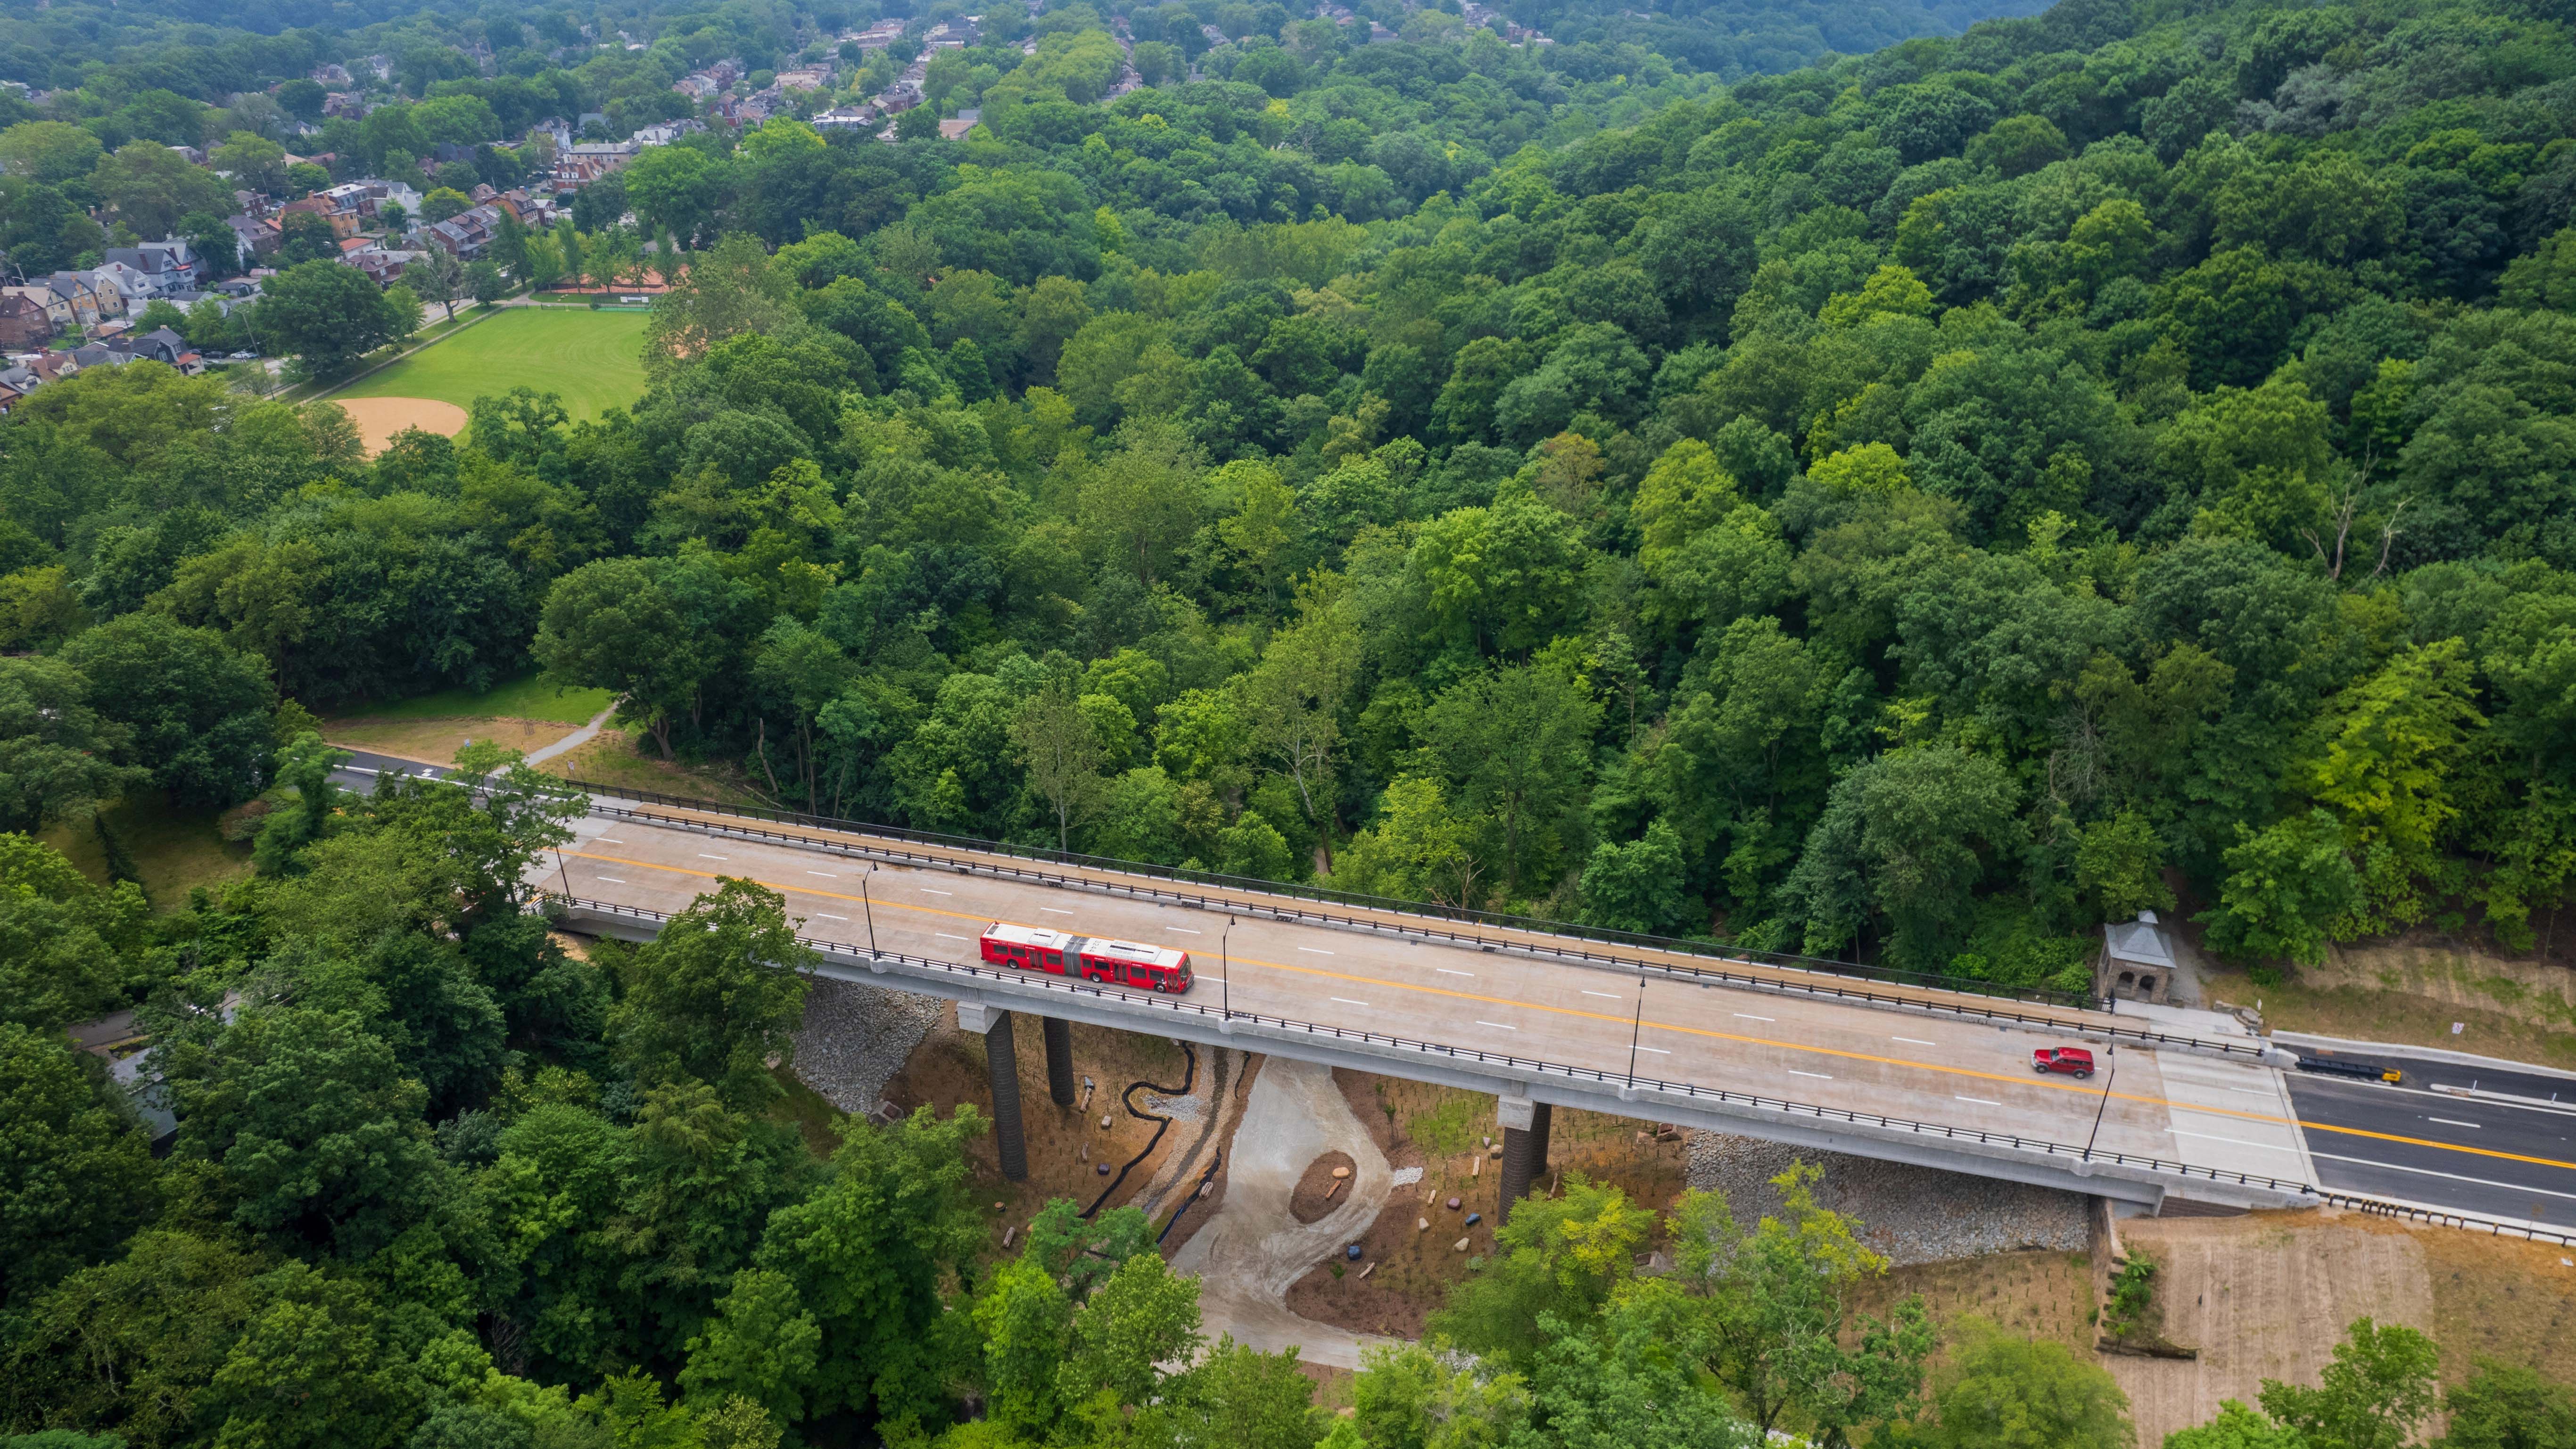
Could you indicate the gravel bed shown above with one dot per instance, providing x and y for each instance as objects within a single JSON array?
[
  {"x": 857, "y": 1036},
  {"x": 1912, "y": 1214}
]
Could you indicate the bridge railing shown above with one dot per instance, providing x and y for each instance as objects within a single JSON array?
[
  {"x": 1282, "y": 906},
  {"x": 1674, "y": 945},
  {"x": 1630, "y": 1081},
  {"x": 2444, "y": 1217}
]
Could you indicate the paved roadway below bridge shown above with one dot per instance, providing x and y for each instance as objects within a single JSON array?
[{"x": 2470, "y": 1154}]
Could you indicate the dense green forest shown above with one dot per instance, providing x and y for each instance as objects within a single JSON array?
[
  {"x": 438, "y": 1184},
  {"x": 1915, "y": 508}
]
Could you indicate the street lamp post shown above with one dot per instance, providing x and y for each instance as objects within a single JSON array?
[
  {"x": 868, "y": 902},
  {"x": 2113, "y": 1052},
  {"x": 1225, "y": 961},
  {"x": 1636, "y": 1028}
]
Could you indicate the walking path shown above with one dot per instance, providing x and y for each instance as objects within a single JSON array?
[
  {"x": 575, "y": 740},
  {"x": 1254, "y": 1248}
]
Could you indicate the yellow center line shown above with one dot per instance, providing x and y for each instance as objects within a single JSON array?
[
  {"x": 1645, "y": 955},
  {"x": 1970, "y": 1073}
]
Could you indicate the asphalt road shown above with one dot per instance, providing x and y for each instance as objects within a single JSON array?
[
  {"x": 1921, "y": 1068},
  {"x": 2402, "y": 1142},
  {"x": 2489, "y": 1157}
]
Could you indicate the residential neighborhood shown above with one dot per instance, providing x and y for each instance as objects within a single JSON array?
[{"x": 378, "y": 171}]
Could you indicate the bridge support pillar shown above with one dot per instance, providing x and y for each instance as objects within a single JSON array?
[
  {"x": 1525, "y": 1125},
  {"x": 1002, "y": 1064},
  {"x": 1059, "y": 1049}
]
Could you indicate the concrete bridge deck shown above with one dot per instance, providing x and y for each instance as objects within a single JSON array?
[{"x": 1905, "y": 1073}]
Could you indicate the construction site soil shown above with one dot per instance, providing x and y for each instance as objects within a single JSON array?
[{"x": 1451, "y": 1138}]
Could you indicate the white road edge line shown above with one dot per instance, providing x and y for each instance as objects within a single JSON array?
[
  {"x": 611, "y": 839},
  {"x": 1980, "y": 1101},
  {"x": 2455, "y": 1122},
  {"x": 1184, "y": 930},
  {"x": 613, "y": 879},
  {"x": 925, "y": 890},
  {"x": 825, "y": 874},
  {"x": 825, "y": 915},
  {"x": 1748, "y": 1016},
  {"x": 1913, "y": 1041},
  {"x": 2239, "y": 1141},
  {"x": 1659, "y": 1051},
  {"x": 2429, "y": 1172},
  {"x": 1819, "y": 1076},
  {"x": 1317, "y": 951},
  {"x": 1445, "y": 971},
  {"x": 1498, "y": 1026},
  {"x": 943, "y": 935},
  {"x": 1346, "y": 1001},
  {"x": 1052, "y": 911},
  {"x": 702, "y": 855},
  {"x": 1604, "y": 995}
]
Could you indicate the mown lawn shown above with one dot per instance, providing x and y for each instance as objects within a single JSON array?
[
  {"x": 592, "y": 360},
  {"x": 172, "y": 848},
  {"x": 526, "y": 697}
]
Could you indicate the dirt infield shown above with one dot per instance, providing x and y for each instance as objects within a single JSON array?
[{"x": 379, "y": 418}]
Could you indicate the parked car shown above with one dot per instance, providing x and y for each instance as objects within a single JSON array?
[{"x": 2071, "y": 1061}]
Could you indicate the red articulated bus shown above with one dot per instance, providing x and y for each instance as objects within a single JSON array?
[{"x": 1034, "y": 948}]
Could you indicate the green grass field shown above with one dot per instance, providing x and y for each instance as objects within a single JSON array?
[
  {"x": 592, "y": 360},
  {"x": 526, "y": 697}
]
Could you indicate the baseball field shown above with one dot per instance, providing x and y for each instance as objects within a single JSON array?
[{"x": 592, "y": 360}]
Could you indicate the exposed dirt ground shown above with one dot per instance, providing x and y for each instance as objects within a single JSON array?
[
  {"x": 2262, "y": 1296},
  {"x": 2038, "y": 1294},
  {"x": 2503, "y": 1299},
  {"x": 1252, "y": 1253},
  {"x": 2268, "y": 1296},
  {"x": 379, "y": 418},
  {"x": 436, "y": 741},
  {"x": 1066, "y": 1145},
  {"x": 1320, "y": 1190},
  {"x": 2410, "y": 993},
  {"x": 1444, "y": 1132}
]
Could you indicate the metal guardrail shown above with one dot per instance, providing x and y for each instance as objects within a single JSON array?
[
  {"x": 1823, "y": 985},
  {"x": 2444, "y": 1217},
  {"x": 877, "y": 961},
  {"x": 1673, "y": 945}
]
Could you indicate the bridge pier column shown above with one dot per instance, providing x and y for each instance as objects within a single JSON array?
[
  {"x": 1525, "y": 1125},
  {"x": 1002, "y": 1064},
  {"x": 1059, "y": 1049}
]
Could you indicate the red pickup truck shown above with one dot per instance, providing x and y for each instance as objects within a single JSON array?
[{"x": 2073, "y": 1061}]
